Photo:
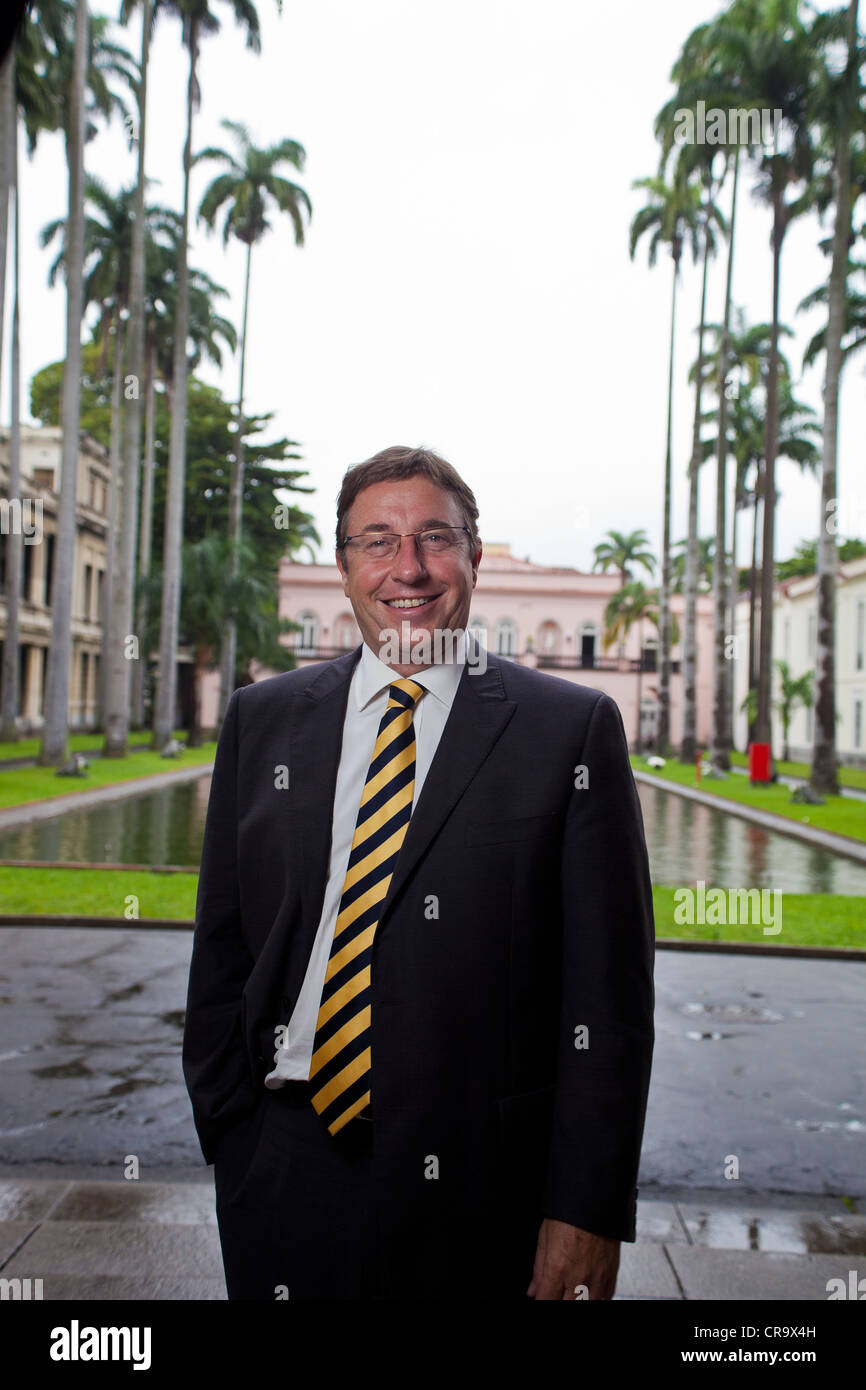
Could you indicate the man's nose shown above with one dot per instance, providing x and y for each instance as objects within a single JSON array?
[{"x": 408, "y": 563}]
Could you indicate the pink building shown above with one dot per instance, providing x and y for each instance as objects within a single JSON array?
[{"x": 548, "y": 616}]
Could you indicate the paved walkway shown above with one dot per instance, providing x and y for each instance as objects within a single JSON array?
[
  {"x": 140, "y": 1240},
  {"x": 757, "y": 1060}
]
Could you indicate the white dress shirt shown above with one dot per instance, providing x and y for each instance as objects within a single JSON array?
[{"x": 367, "y": 701}]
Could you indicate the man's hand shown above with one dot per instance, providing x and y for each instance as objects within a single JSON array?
[{"x": 568, "y": 1257}]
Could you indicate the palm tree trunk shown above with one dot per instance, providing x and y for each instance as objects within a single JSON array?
[
  {"x": 8, "y": 140},
  {"x": 733, "y": 595},
  {"x": 824, "y": 777},
  {"x": 688, "y": 741},
  {"x": 236, "y": 499},
  {"x": 107, "y": 666},
  {"x": 11, "y": 708},
  {"x": 720, "y": 746},
  {"x": 166, "y": 690},
  {"x": 639, "y": 743},
  {"x": 663, "y": 732},
  {"x": 753, "y": 600},
  {"x": 145, "y": 535},
  {"x": 54, "y": 733},
  {"x": 763, "y": 724},
  {"x": 117, "y": 711}
]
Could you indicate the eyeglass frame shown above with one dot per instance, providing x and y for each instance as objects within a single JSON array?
[{"x": 371, "y": 535}]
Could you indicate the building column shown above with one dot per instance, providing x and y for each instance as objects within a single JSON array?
[{"x": 31, "y": 695}]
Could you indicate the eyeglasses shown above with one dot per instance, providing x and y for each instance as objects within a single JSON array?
[{"x": 384, "y": 545}]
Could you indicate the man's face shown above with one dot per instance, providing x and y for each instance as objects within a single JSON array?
[{"x": 374, "y": 587}]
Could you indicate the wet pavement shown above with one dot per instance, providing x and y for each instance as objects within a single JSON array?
[
  {"x": 129, "y": 1240},
  {"x": 758, "y": 1079}
]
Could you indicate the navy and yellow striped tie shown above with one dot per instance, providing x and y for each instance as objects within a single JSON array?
[{"x": 341, "y": 1060}]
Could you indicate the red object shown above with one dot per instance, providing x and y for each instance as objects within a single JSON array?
[{"x": 759, "y": 762}]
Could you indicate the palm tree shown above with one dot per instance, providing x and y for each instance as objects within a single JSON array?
[
  {"x": 211, "y": 593},
  {"x": 672, "y": 214},
  {"x": 25, "y": 96},
  {"x": 54, "y": 731},
  {"x": 679, "y": 564},
  {"x": 109, "y": 230},
  {"x": 634, "y": 603},
  {"x": 793, "y": 693},
  {"x": 80, "y": 69},
  {"x": 824, "y": 776},
  {"x": 198, "y": 20},
  {"x": 117, "y": 686},
  {"x": 248, "y": 184},
  {"x": 620, "y": 551}
]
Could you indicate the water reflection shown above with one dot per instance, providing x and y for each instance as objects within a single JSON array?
[{"x": 686, "y": 842}]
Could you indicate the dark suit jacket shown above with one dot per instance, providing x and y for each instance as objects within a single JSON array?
[{"x": 519, "y": 912}]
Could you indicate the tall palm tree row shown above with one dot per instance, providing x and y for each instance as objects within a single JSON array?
[
  {"x": 198, "y": 19},
  {"x": 781, "y": 57}
]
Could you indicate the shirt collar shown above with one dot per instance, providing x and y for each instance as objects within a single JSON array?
[{"x": 441, "y": 678}]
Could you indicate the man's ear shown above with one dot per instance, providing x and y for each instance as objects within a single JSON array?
[
  {"x": 475, "y": 563},
  {"x": 343, "y": 573}
]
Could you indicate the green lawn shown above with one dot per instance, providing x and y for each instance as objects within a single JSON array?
[
  {"x": 848, "y": 776},
  {"x": 78, "y": 743},
  {"x": 97, "y": 892},
  {"x": 842, "y": 815},
  {"x": 806, "y": 919},
  {"x": 22, "y": 784}
]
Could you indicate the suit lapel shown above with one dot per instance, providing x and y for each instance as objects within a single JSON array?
[{"x": 317, "y": 736}]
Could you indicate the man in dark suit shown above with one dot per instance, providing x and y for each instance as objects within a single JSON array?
[{"x": 419, "y": 1023}]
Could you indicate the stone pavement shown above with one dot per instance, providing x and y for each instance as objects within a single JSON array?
[{"x": 143, "y": 1240}]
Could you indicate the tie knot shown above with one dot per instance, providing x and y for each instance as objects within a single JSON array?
[{"x": 406, "y": 693}]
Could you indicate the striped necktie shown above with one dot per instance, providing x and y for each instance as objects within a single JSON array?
[{"x": 340, "y": 1066}]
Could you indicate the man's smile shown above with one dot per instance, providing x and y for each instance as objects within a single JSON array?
[{"x": 410, "y": 603}]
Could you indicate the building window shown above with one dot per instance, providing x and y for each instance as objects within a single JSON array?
[
  {"x": 344, "y": 630},
  {"x": 548, "y": 639},
  {"x": 88, "y": 592},
  {"x": 308, "y": 635},
  {"x": 860, "y": 638},
  {"x": 649, "y": 654},
  {"x": 588, "y": 640},
  {"x": 506, "y": 637},
  {"x": 858, "y": 721}
]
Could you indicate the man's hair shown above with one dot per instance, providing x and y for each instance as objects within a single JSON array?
[{"x": 401, "y": 461}]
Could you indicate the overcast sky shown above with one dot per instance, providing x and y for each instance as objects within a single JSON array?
[{"x": 466, "y": 282}]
